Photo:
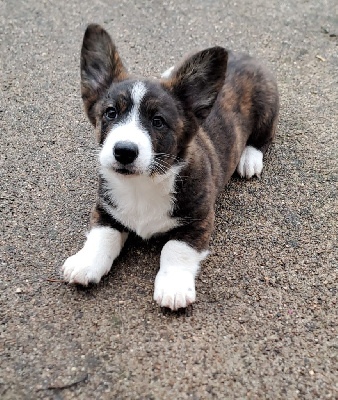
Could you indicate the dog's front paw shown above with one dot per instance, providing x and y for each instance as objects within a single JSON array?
[
  {"x": 174, "y": 289},
  {"x": 251, "y": 163},
  {"x": 82, "y": 269},
  {"x": 95, "y": 259}
]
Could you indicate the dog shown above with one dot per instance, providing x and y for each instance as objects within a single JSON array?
[{"x": 167, "y": 148}]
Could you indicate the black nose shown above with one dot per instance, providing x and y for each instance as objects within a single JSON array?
[{"x": 125, "y": 152}]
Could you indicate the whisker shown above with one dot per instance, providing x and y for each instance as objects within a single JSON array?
[
  {"x": 158, "y": 167},
  {"x": 166, "y": 155},
  {"x": 163, "y": 163}
]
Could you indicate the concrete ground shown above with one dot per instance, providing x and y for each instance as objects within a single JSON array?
[{"x": 265, "y": 322}]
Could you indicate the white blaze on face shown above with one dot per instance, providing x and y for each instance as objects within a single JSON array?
[{"x": 130, "y": 130}]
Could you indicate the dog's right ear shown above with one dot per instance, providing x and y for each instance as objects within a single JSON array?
[{"x": 100, "y": 66}]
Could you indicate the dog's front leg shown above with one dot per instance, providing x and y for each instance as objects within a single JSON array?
[
  {"x": 175, "y": 281},
  {"x": 95, "y": 259}
]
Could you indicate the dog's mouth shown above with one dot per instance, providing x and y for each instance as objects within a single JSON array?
[
  {"x": 127, "y": 171},
  {"x": 124, "y": 171}
]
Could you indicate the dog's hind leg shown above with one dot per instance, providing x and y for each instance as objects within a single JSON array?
[{"x": 251, "y": 161}]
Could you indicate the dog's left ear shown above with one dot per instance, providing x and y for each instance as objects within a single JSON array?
[
  {"x": 198, "y": 80},
  {"x": 100, "y": 66}
]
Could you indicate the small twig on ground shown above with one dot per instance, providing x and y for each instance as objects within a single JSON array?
[
  {"x": 55, "y": 280},
  {"x": 67, "y": 385}
]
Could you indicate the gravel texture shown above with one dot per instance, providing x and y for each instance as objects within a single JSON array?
[{"x": 265, "y": 322}]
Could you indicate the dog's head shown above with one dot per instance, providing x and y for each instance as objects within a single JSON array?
[{"x": 145, "y": 126}]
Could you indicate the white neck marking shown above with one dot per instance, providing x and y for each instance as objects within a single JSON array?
[{"x": 143, "y": 203}]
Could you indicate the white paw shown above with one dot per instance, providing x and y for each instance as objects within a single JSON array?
[
  {"x": 95, "y": 259},
  {"x": 82, "y": 268},
  {"x": 175, "y": 281},
  {"x": 251, "y": 163},
  {"x": 166, "y": 74},
  {"x": 174, "y": 289}
]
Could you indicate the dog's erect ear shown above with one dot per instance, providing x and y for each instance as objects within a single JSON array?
[
  {"x": 198, "y": 80},
  {"x": 100, "y": 66}
]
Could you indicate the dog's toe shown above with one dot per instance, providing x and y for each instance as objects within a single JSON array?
[
  {"x": 174, "y": 290},
  {"x": 81, "y": 270}
]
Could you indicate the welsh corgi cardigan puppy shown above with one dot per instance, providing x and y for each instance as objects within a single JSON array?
[{"x": 167, "y": 148}]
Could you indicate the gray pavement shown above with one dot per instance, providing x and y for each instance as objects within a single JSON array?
[{"x": 265, "y": 322}]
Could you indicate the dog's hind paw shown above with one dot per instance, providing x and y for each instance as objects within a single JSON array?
[
  {"x": 174, "y": 289},
  {"x": 251, "y": 163}
]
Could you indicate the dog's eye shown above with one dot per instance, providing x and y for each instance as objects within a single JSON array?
[
  {"x": 158, "y": 122},
  {"x": 110, "y": 113}
]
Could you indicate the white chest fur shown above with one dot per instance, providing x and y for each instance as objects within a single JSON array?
[{"x": 142, "y": 204}]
